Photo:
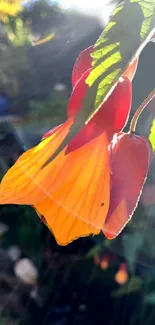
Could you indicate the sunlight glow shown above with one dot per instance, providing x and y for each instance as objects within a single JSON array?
[{"x": 100, "y": 8}]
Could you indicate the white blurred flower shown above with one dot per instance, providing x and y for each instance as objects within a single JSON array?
[
  {"x": 14, "y": 253},
  {"x": 26, "y": 271},
  {"x": 59, "y": 87},
  {"x": 37, "y": 296},
  {"x": 3, "y": 228}
]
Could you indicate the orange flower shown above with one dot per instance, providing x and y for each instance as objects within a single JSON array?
[
  {"x": 97, "y": 260},
  {"x": 104, "y": 264},
  {"x": 69, "y": 191},
  {"x": 72, "y": 192},
  {"x": 122, "y": 276}
]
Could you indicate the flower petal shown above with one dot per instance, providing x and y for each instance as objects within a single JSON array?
[
  {"x": 77, "y": 96},
  {"x": 131, "y": 69},
  {"x": 82, "y": 64},
  {"x": 130, "y": 161},
  {"x": 63, "y": 225},
  {"x": 112, "y": 116},
  {"x": 25, "y": 182},
  {"x": 79, "y": 207}
]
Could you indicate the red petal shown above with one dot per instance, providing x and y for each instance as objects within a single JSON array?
[
  {"x": 50, "y": 132},
  {"x": 77, "y": 96},
  {"x": 82, "y": 64},
  {"x": 131, "y": 69},
  {"x": 111, "y": 117},
  {"x": 130, "y": 161}
]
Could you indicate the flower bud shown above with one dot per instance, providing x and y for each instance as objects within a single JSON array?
[{"x": 3, "y": 229}]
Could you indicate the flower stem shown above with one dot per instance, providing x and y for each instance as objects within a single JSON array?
[{"x": 138, "y": 112}]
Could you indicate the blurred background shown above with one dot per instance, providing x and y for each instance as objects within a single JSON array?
[{"x": 91, "y": 281}]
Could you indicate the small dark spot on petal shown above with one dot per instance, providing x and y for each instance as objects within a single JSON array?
[{"x": 42, "y": 219}]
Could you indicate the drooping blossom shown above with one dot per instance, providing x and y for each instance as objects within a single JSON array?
[
  {"x": 75, "y": 192},
  {"x": 130, "y": 159}
]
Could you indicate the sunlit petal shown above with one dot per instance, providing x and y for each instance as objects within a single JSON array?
[
  {"x": 79, "y": 207},
  {"x": 82, "y": 64},
  {"x": 112, "y": 116},
  {"x": 63, "y": 225},
  {"x": 131, "y": 69},
  {"x": 77, "y": 96},
  {"x": 130, "y": 161},
  {"x": 25, "y": 182}
]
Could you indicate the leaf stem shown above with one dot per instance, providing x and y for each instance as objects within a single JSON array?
[{"x": 138, "y": 112}]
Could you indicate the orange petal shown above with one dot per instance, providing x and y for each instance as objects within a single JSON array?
[
  {"x": 130, "y": 162},
  {"x": 131, "y": 69},
  {"x": 66, "y": 227},
  {"x": 79, "y": 207},
  {"x": 25, "y": 182}
]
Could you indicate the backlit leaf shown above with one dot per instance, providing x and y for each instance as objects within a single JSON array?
[
  {"x": 152, "y": 135},
  {"x": 131, "y": 26}
]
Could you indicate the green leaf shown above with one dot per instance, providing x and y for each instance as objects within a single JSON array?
[
  {"x": 125, "y": 36},
  {"x": 150, "y": 298},
  {"x": 131, "y": 26},
  {"x": 132, "y": 247},
  {"x": 152, "y": 135},
  {"x": 93, "y": 251}
]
